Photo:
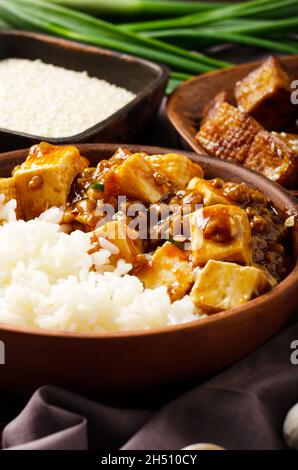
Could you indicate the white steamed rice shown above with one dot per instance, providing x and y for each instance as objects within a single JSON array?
[
  {"x": 43, "y": 99},
  {"x": 46, "y": 282}
]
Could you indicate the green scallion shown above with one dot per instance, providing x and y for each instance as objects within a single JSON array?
[
  {"x": 139, "y": 7},
  {"x": 177, "y": 243},
  {"x": 98, "y": 186},
  {"x": 184, "y": 26}
]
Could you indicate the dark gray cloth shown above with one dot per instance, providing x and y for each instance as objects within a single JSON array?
[{"x": 241, "y": 408}]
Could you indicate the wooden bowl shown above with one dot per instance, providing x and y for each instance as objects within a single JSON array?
[
  {"x": 186, "y": 104},
  {"x": 146, "y": 79},
  {"x": 124, "y": 362}
]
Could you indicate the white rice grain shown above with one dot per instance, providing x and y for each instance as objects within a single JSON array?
[
  {"x": 47, "y": 280},
  {"x": 50, "y": 101}
]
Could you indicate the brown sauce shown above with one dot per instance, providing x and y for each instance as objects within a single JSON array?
[{"x": 267, "y": 227}]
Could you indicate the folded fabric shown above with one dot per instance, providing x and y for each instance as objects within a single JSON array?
[{"x": 240, "y": 408}]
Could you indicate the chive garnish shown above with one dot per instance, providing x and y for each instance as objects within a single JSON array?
[
  {"x": 97, "y": 186},
  {"x": 177, "y": 243}
]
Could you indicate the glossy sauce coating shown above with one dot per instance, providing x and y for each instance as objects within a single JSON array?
[{"x": 267, "y": 227}]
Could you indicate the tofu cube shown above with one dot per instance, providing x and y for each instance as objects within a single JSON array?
[
  {"x": 290, "y": 139},
  {"x": 265, "y": 94},
  {"x": 211, "y": 194},
  {"x": 169, "y": 267},
  {"x": 228, "y": 133},
  {"x": 45, "y": 178},
  {"x": 9, "y": 191},
  {"x": 178, "y": 169},
  {"x": 221, "y": 286},
  {"x": 220, "y": 232},
  {"x": 210, "y": 108},
  {"x": 126, "y": 240},
  {"x": 135, "y": 178},
  {"x": 275, "y": 156}
]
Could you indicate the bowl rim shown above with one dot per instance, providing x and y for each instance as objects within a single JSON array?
[
  {"x": 241, "y": 312},
  {"x": 161, "y": 78}
]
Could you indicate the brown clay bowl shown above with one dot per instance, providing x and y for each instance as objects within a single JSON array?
[
  {"x": 144, "y": 78},
  {"x": 185, "y": 105},
  {"x": 119, "y": 363}
]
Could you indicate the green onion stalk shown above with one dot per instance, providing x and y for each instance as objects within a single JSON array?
[
  {"x": 42, "y": 15},
  {"x": 268, "y": 24},
  {"x": 129, "y": 8},
  {"x": 244, "y": 9},
  {"x": 3, "y": 24},
  {"x": 208, "y": 38},
  {"x": 239, "y": 26},
  {"x": 176, "y": 78}
]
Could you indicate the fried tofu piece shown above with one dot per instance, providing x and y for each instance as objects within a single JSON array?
[
  {"x": 169, "y": 267},
  {"x": 9, "y": 191},
  {"x": 126, "y": 240},
  {"x": 44, "y": 179},
  {"x": 211, "y": 194},
  {"x": 220, "y": 232},
  {"x": 178, "y": 169},
  {"x": 220, "y": 285},
  {"x": 265, "y": 94},
  {"x": 210, "y": 108},
  {"x": 228, "y": 133},
  {"x": 289, "y": 139},
  {"x": 275, "y": 156},
  {"x": 136, "y": 178},
  {"x": 104, "y": 167}
]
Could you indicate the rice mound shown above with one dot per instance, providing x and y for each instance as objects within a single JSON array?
[{"x": 49, "y": 280}]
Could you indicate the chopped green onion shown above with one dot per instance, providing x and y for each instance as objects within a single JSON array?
[
  {"x": 176, "y": 243},
  {"x": 97, "y": 186}
]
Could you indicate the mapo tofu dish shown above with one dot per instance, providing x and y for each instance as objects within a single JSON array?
[{"x": 219, "y": 242}]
